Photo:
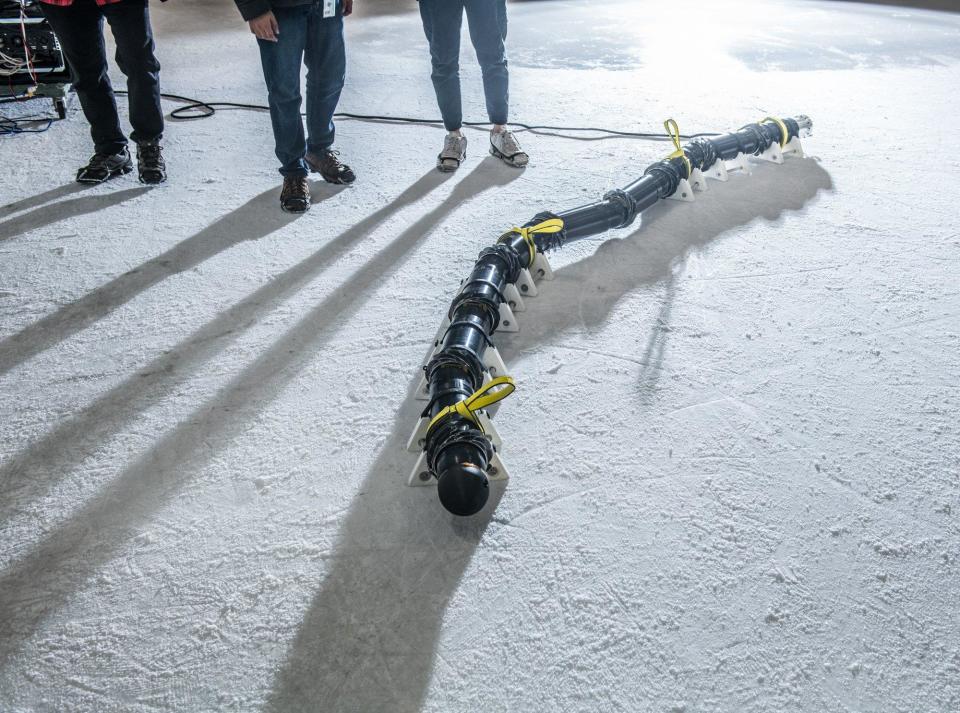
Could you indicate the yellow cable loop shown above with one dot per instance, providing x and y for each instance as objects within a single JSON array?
[
  {"x": 784, "y": 131},
  {"x": 547, "y": 227},
  {"x": 673, "y": 131},
  {"x": 482, "y": 398}
]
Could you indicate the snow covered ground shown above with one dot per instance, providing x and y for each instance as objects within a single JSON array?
[{"x": 735, "y": 447}]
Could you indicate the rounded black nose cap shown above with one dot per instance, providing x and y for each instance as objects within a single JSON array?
[{"x": 463, "y": 489}]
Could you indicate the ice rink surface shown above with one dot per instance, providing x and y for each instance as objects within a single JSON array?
[{"x": 735, "y": 445}]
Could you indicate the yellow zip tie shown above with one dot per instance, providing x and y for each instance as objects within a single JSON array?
[
  {"x": 482, "y": 398},
  {"x": 673, "y": 131},
  {"x": 547, "y": 227},
  {"x": 784, "y": 131}
]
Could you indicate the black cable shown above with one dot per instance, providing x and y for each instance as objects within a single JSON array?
[
  {"x": 10, "y": 126},
  {"x": 198, "y": 109}
]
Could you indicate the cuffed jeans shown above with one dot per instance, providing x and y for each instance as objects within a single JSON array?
[
  {"x": 79, "y": 27},
  {"x": 306, "y": 37},
  {"x": 487, "y": 20}
]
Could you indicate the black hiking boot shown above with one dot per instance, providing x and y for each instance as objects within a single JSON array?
[
  {"x": 295, "y": 196},
  {"x": 328, "y": 165},
  {"x": 102, "y": 167},
  {"x": 152, "y": 169}
]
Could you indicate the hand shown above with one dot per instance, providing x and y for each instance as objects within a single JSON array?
[
  {"x": 347, "y": 7},
  {"x": 265, "y": 27}
]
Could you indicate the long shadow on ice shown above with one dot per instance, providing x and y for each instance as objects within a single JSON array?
[
  {"x": 64, "y": 210},
  {"x": 585, "y": 292},
  {"x": 30, "y": 473},
  {"x": 255, "y": 219},
  {"x": 39, "y": 199},
  {"x": 37, "y": 583}
]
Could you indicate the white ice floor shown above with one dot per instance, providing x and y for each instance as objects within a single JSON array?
[{"x": 735, "y": 446}]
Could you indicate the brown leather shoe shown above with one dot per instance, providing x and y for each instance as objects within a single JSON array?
[
  {"x": 328, "y": 165},
  {"x": 295, "y": 196}
]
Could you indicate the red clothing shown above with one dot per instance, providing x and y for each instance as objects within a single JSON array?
[{"x": 70, "y": 2}]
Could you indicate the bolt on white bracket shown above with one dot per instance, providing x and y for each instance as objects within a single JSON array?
[
  {"x": 772, "y": 154},
  {"x": 526, "y": 285},
  {"x": 512, "y": 295},
  {"x": 740, "y": 163},
  {"x": 793, "y": 146},
  {"x": 718, "y": 171},
  {"x": 508, "y": 321},
  {"x": 698, "y": 180},
  {"x": 541, "y": 268},
  {"x": 684, "y": 192}
]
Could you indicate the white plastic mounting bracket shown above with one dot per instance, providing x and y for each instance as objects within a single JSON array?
[
  {"x": 718, "y": 171},
  {"x": 494, "y": 362},
  {"x": 526, "y": 285},
  {"x": 698, "y": 180},
  {"x": 421, "y": 475},
  {"x": 684, "y": 192},
  {"x": 508, "y": 321},
  {"x": 497, "y": 470},
  {"x": 793, "y": 146},
  {"x": 773, "y": 154},
  {"x": 541, "y": 268},
  {"x": 512, "y": 295},
  {"x": 423, "y": 389},
  {"x": 418, "y": 439},
  {"x": 740, "y": 162}
]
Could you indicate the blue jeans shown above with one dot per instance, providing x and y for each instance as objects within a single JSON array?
[
  {"x": 487, "y": 20},
  {"x": 306, "y": 37}
]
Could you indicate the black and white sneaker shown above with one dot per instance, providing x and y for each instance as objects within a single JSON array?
[
  {"x": 504, "y": 145},
  {"x": 152, "y": 168},
  {"x": 453, "y": 154},
  {"x": 102, "y": 167}
]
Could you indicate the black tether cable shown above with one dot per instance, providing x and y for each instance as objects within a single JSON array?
[{"x": 198, "y": 109}]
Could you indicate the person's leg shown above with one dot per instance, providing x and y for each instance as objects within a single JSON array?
[
  {"x": 130, "y": 23},
  {"x": 281, "y": 62},
  {"x": 488, "y": 28},
  {"x": 326, "y": 68},
  {"x": 79, "y": 27},
  {"x": 486, "y": 33},
  {"x": 442, "y": 20},
  {"x": 326, "y": 62}
]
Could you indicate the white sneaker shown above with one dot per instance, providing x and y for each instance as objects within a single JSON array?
[
  {"x": 454, "y": 153},
  {"x": 504, "y": 145}
]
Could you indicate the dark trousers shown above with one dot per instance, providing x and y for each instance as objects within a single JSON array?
[
  {"x": 487, "y": 20},
  {"x": 79, "y": 27},
  {"x": 306, "y": 37}
]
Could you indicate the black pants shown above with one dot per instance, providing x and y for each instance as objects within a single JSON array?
[
  {"x": 487, "y": 20},
  {"x": 79, "y": 27}
]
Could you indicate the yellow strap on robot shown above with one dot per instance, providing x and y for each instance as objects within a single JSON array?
[
  {"x": 482, "y": 398},
  {"x": 547, "y": 227},
  {"x": 784, "y": 131},
  {"x": 673, "y": 131}
]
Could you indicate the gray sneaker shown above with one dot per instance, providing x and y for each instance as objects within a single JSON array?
[
  {"x": 454, "y": 153},
  {"x": 504, "y": 145}
]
